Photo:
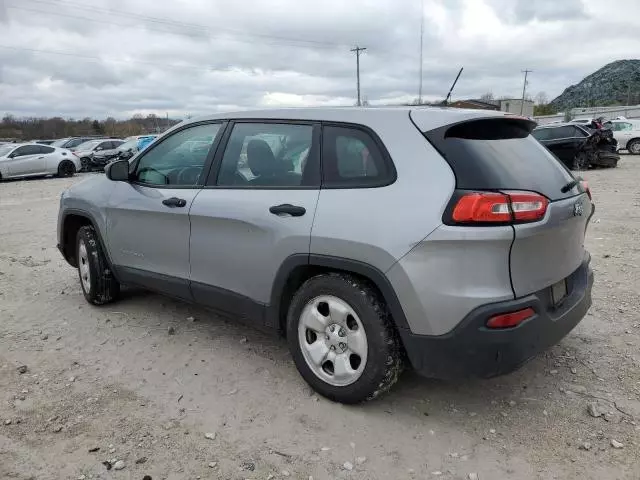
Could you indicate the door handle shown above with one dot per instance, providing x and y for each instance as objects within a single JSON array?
[
  {"x": 289, "y": 209},
  {"x": 174, "y": 202},
  {"x": 40, "y": 158}
]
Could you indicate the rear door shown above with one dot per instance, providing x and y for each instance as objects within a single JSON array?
[
  {"x": 256, "y": 211},
  {"x": 500, "y": 155}
]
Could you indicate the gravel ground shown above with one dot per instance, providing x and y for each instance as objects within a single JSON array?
[{"x": 113, "y": 379}]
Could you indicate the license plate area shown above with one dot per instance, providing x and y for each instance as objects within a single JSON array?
[{"x": 558, "y": 292}]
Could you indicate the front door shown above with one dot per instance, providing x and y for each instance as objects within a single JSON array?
[
  {"x": 256, "y": 210},
  {"x": 26, "y": 160},
  {"x": 148, "y": 218}
]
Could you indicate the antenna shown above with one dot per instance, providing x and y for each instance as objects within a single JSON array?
[
  {"x": 446, "y": 100},
  {"x": 421, "y": 48}
]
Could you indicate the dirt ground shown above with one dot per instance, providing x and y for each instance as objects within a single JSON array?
[{"x": 113, "y": 379}]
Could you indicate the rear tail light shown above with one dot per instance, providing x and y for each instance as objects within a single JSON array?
[
  {"x": 512, "y": 319},
  {"x": 493, "y": 207},
  {"x": 585, "y": 187}
]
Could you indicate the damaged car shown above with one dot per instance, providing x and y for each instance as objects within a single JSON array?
[{"x": 579, "y": 147}]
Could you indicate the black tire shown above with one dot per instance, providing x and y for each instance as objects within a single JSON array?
[
  {"x": 85, "y": 165},
  {"x": 102, "y": 287},
  {"x": 633, "y": 147},
  {"x": 384, "y": 351},
  {"x": 580, "y": 161},
  {"x": 66, "y": 168}
]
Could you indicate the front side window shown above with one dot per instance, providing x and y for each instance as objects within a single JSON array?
[
  {"x": 269, "y": 155},
  {"x": 26, "y": 150},
  {"x": 178, "y": 159},
  {"x": 350, "y": 157},
  {"x": 579, "y": 132}
]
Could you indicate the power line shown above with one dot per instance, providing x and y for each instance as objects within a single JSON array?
[
  {"x": 100, "y": 59},
  {"x": 202, "y": 29},
  {"x": 524, "y": 89},
  {"x": 357, "y": 51}
]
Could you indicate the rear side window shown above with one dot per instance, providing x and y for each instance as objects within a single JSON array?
[
  {"x": 500, "y": 154},
  {"x": 542, "y": 133},
  {"x": 45, "y": 149},
  {"x": 352, "y": 158},
  {"x": 564, "y": 132}
]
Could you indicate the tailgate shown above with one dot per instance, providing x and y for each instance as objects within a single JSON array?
[
  {"x": 499, "y": 154},
  {"x": 550, "y": 250}
]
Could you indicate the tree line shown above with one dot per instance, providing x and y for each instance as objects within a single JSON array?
[{"x": 35, "y": 128}]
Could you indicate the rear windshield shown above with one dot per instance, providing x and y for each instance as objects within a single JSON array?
[{"x": 500, "y": 154}]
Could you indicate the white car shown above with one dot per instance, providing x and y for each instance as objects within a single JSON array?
[
  {"x": 32, "y": 159},
  {"x": 627, "y": 133}
]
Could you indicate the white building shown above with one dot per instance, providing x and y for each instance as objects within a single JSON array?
[{"x": 514, "y": 105}]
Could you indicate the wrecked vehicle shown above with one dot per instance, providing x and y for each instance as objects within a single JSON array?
[{"x": 579, "y": 147}]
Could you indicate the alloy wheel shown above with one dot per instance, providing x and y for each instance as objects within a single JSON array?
[{"x": 332, "y": 340}]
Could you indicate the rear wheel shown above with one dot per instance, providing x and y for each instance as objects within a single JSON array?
[
  {"x": 634, "y": 146},
  {"x": 66, "y": 168},
  {"x": 342, "y": 338},
  {"x": 98, "y": 284}
]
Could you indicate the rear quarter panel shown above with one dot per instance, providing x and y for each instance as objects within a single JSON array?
[{"x": 379, "y": 225}]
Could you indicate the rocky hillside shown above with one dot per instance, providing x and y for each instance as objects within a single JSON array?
[{"x": 607, "y": 86}]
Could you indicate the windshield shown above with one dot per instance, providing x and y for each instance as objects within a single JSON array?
[
  {"x": 88, "y": 145},
  {"x": 127, "y": 145},
  {"x": 60, "y": 143},
  {"x": 5, "y": 149}
]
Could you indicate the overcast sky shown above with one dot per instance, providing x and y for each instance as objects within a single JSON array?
[{"x": 100, "y": 58}]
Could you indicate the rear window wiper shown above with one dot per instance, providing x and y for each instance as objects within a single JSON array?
[{"x": 569, "y": 185}]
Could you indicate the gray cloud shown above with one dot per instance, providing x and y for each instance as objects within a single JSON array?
[
  {"x": 525, "y": 11},
  {"x": 118, "y": 57}
]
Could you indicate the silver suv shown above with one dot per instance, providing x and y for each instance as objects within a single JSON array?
[{"x": 448, "y": 239}]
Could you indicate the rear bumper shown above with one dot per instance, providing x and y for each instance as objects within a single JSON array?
[{"x": 472, "y": 350}]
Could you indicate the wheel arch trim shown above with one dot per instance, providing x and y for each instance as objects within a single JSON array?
[
  {"x": 329, "y": 262},
  {"x": 93, "y": 223}
]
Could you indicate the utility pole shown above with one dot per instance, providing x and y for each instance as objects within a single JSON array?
[
  {"x": 357, "y": 50},
  {"x": 421, "y": 48},
  {"x": 524, "y": 89}
]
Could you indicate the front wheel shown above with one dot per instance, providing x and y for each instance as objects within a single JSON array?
[
  {"x": 66, "y": 168},
  {"x": 342, "y": 338},
  {"x": 580, "y": 161},
  {"x": 98, "y": 284}
]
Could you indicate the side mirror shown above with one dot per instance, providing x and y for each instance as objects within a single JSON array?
[{"x": 118, "y": 171}]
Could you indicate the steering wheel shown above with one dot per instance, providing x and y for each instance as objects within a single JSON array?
[{"x": 189, "y": 176}]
